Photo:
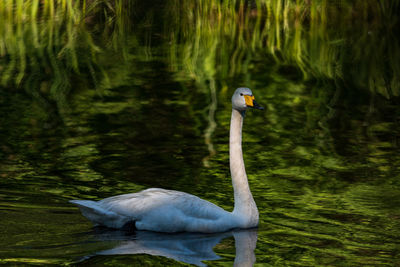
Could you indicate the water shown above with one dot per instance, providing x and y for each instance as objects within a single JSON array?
[{"x": 145, "y": 102}]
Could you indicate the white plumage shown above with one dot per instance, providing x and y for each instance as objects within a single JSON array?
[{"x": 161, "y": 210}]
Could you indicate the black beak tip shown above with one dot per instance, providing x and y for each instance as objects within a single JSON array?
[{"x": 257, "y": 106}]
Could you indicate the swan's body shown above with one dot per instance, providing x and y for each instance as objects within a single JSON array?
[{"x": 163, "y": 210}]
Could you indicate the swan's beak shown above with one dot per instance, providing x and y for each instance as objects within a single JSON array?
[
  {"x": 257, "y": 106},
  {"x": 250, "y": 102}
]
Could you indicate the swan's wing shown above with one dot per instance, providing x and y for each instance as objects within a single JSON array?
[
  {"x": 137, "y": 205},
  {"x": 158, "y": 210}
]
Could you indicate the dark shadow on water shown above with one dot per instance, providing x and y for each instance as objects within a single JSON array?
[{"x": 191, "y": 248}]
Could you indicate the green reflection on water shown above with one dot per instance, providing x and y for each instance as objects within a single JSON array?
[{"x": 108, "y": 97}]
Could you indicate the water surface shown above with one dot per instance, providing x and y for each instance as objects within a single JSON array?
[{"x": 96, "y": 106}]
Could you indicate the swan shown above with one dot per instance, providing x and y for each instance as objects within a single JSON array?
[{"x": 170, "y": 211}]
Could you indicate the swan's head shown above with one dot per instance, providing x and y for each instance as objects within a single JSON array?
[{"x": 243, "y": 98}]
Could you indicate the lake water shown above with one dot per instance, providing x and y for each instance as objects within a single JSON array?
[{"x": 131, "y": 96}]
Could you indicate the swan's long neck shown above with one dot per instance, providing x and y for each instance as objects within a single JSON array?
[{"x": 245, "y": 206}]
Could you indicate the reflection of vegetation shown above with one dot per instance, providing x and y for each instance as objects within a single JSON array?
[
  {"x": 225, "y": 38},
  {"x": 45, "y": 46},
  {"x": 327, "y": 74}
]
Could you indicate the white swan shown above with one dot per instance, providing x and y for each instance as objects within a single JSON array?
[{"x": 163, "y": 210}]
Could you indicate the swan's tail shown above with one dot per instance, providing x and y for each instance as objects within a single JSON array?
[{"x": 99, "y": 215}]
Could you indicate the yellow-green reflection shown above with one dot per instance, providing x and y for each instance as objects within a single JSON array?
[
  {"x": 324, "y": 41},
  {"x": 100, "y": 98}
]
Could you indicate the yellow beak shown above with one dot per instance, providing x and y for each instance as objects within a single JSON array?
[{"x": 249, "y": 100}]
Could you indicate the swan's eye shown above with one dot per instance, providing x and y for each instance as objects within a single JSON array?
[{"x": 241, "y": 94}]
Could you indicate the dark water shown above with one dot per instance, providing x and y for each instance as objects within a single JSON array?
[{"x": 148, "y": 105}]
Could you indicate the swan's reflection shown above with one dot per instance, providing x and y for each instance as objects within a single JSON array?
[{"x": 192, "y": 248}]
